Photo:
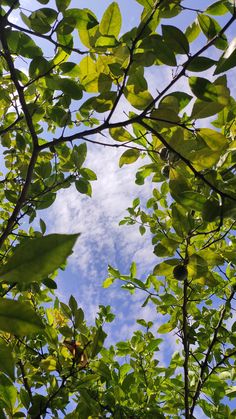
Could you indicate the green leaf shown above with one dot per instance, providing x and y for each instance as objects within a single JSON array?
[
  {"x": 218, "y": 8},
  {"x": 124, "y": 369},
  {"x": 7, "y": 364},
  {"x": 166, "y": 247},
  {"x": 203, "y": 89},
  {"x": 202, "y": 109},
  {"x": 19, "y": 318},
  {"x": 210, "y": 210},
  {"x": 98, "y": 342},
  {"x": 228, "y": 59},
  {"x": 41, "y": 19},
  {"x": 38, "y": 67},
  {"x": 183, "y": 99},
  {"x": 62, "y": 5},
  {"x": 108, "y": 282},
  {"x": 8, "y": 392},
  {"x": 200, "y": 64},
  {"x": 121, "y": 134},
  {"x": 88, "y": 174},
  {"x": 96, "y": 82},
  {"x": 192, "y": 31},
  {"x": 165, "y": 328},
  {"x": 128, "y": 157},
  {"x": 231, "y": 392},
  {"x": 73, "y": 304},
  {"x": 21, "y": 44},
  {"x": 142, "y": 230},
  {"x": 49, "y": 283},
  {"x": 214, "y": 140},
  {"x": 197, "y": 267},
  {"x": 83, "y": 186},
  {"x": 205, "y": 159},
  {"x": 159, "y": 48},
  {"x": 43, "y": 226},
  {"x": 71, "y": 88},
  {"x": 165, "y": 268},
  {"x": 34, "y": 259},
  {"x": 111, "y": 20},
  {"x": 193, "y": 200},
  {"x": 108, "y": 41},
  {"x": 210, "y": 27},
  {"x": 82, "y": 19},
  {"x": 176, "y": 39},
  {"x": 79, "y": 154},
  {"x": 138, "y": 100}
]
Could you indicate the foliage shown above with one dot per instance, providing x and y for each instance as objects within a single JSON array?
[{"x": 77, "y": 70}]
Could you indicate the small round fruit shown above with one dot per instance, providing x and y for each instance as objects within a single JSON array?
[
  {"x": 164, "y": 154},
  {"x": 173, "y": 157},
  {"x": 180, "y": 272},
  {"x": 165, "y": 171}
]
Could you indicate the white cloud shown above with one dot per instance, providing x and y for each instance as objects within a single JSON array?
[{"x": 102, "y": 240}]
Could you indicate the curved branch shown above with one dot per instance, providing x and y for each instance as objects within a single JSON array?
[{"x": 187, "y": 162}]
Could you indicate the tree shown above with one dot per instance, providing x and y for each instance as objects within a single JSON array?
[{"x": 78, "y": 70}]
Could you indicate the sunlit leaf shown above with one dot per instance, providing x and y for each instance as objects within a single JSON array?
[
  {"x": 36, "y": 258},
  {"x": 7, "y": 364},
  {"x": 111, "y": 20},
  {"x": 228, "y": 59},
  {"x": 19, "y": 318},
  {"x": 129, "y": 156}
]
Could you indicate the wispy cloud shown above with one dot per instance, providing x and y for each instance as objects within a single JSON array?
[{"x": 102, "y": 240}]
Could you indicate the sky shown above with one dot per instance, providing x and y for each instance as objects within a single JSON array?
[{"x": 102, "y": 240}]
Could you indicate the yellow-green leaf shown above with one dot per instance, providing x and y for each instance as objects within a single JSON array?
[
  {"x": 111, "y": 20},
  {"x": 18, "y": 318},
  {"x": 35, "y": 259},
  {"x": 121, "y": 134},
  {"x": 128, "y": 157},
  {"x": 138, "y": 100},
  {"x": 214, "y": 140}
]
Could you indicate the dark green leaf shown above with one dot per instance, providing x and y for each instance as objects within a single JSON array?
[
  {"x": 201, "y": 64},
  {"x": 98, "y": 342},
  {"x": 62, "y": 5},
  {"x": 83, "y": 186},
  {"x": 21, "y": 44},
  {"x": 176, "y": 39},
  {"x": 82, "y": 19},
  {"x": 41, "y": 19},
  {"x": 210, "y": 27}
]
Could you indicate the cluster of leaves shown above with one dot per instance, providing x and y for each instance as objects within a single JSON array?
[{"x": 77, "y": 71}]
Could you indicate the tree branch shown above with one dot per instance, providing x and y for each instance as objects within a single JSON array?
[
  {"x": 187, "y": 162},
  {"x": 20, "y": 89},
  {"x": 186, "y": 64},
  {"x": 186, "y": 348},
  {"x": 204, "y": 365}
]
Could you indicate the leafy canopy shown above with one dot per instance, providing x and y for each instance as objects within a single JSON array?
[{"x": 64, "y": 74}]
